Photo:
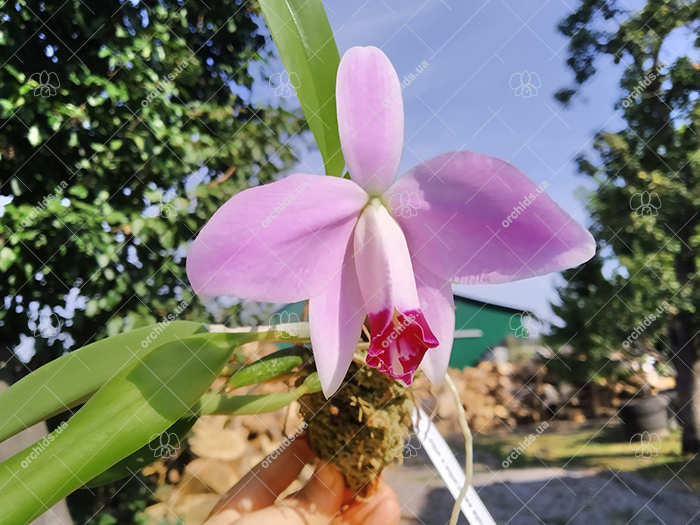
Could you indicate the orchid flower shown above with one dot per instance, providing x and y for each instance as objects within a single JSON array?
[{"x": 354, "y": 250}]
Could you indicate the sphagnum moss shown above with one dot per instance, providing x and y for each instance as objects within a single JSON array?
[{"x": 359, "y": 428}]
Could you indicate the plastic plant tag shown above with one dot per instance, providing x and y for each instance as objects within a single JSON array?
[{"x": 450, "y": 470}]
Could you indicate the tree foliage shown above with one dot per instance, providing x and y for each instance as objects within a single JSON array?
[
  {"x": 609, "y": 324},
  {"x": 647, "y": 204},
  {"x": 123, "y": 127}
]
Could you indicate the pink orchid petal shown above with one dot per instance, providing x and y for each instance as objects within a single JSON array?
[
  {"x": 475, "y": 225},
  {"x": 370, "y": 117},
  {"x": 400, "y": 332},
  {"x": 280, "y": 242},
  {"x": 335, "y": 318},
  {"x": 437, "y": 300}
]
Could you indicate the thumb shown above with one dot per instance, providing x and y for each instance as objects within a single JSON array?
[{"x": 322, "y": 497}]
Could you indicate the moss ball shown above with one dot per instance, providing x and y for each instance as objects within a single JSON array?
[{"x": 360, "y": 428}]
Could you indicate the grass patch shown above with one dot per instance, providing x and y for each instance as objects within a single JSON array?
[{"x": 564, "y": 446}]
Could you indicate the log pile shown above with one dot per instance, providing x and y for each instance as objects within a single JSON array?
[
  {"x": 485, "y": 391},
  {"x": 498, "y": 395}
]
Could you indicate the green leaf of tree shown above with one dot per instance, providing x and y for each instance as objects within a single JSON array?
[{"x": 34, "y": 136}]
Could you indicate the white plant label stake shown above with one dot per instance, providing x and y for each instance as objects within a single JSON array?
[{"x": 452, "y": 473}]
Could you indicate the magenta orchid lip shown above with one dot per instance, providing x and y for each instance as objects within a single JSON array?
[{"x": 379, "y": 246}]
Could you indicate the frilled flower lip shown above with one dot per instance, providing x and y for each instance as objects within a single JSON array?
[
  {"x": 399, "y": 349},
  {"x": 459, "y": 217}
]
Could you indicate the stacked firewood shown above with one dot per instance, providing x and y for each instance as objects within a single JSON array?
[
  {"x": 487, "y": 392},
  {"x": 504, "y": 395}
]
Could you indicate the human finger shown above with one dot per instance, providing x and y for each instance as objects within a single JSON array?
[
  {"x": 315, "y": 504},
  {"x": 264, "y": 483},
  {"x": 382, "y": 508}
]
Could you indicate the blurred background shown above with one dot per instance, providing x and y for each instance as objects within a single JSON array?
[{"x": 124, "y": 125}]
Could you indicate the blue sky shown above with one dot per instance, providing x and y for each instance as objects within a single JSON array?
[{"x": 464, "y": 99}]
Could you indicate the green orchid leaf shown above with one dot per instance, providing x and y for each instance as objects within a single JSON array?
[
  {"x": 162, "y": 446},
  {"x": 129, "y": 411},
  {"x": 308, "y": 50},
  {"x": 71, "y": 379},
  {"x": 269, "y": 367}
]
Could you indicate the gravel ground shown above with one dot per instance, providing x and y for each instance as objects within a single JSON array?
[{"x": 543, "y": 496}]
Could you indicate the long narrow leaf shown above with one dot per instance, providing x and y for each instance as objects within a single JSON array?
[
  {"x": 161, "y": 446},
  {"x": 263, "y": 369},
  {"x": 135, "y": 406},
  {"x": 132, "y": 409},
  {"x": 74, "y": 377},
  {"x": 269, "y": 367},
  {"x": 308, "y": 50}
]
